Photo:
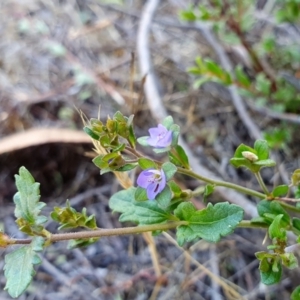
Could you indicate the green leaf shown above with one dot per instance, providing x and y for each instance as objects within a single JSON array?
[
  {"x": 276, "y": 229},
  {"x": 208, "y": 190},
  {"x": 79, "y": 243},
  {"x": 175, "y": 188},
  {"x": 265, "y": 163},
  {"x": 296, "y": 293},
  {"x": 168, "y": 122},
  {"x": 143, "y": 141},
  {"x": 143, "y": 213},
  {"x": 241, "y": 77},
  {"x": 267, "y": 274},
  {"x": 126, "y": 167},
  {"x": 27, "y": 198},
  {"x": 266, "y": 207},
  {"x": 209, "y": 224},
  {"x": 146, "y": 163},
  {"x": 175, "y": 134},
  {"x": 289, "y": 260},
  {"x": 68, "y": 217},
  {"x": 140, "y": 194},
  {"x": 19, "y": 267},
  {"x": 178, "y": 156},
  {"x": 296, "y": 177},
  {"x": 296, "y": 223},
  {"x": 169, "y": 170},
  {"x": 91, "y": 133},
  {"x": 262, "y": 149},
  {"x": 164, "y": 197},
  {"x": 280, "y": 190},
  {"x": 263, "y": 84}
]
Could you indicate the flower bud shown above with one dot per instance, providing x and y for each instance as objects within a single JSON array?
[{"x": 250, "y": 156}]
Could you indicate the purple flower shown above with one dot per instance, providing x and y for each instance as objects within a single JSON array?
[
  {"x": 154, "y": 181},
  {"x": 160, "y": 137}
]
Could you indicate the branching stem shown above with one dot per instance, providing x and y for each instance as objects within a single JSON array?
[{"x": 222, "y": 183}]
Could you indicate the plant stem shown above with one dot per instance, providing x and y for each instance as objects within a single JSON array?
[
  {"x": 289, "y": 207},
  {"x": 261, "y": 183},
  {"x": 222, "y": 183},
  {"x": 104, "y": 232},
  {"x": 248, "y": 224}
]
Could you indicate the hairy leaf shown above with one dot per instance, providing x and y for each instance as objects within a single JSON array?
[
  {"x": 27, "y": 198},
  {"x": 19, "y": 267},
  {"x": 210, "y": 223},
  {"x": 146, "y": 212}
]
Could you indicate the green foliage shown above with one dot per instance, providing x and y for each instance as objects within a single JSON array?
[
  {"x": 278, "y": 138},
  {"x": 280, "y": 191},
  {"x": 19, "y": 267},
  {"x": 169, "y": 170},
  {"x": 28, "y": 207},
  {"x": 269, "y": 210},
  {"x": 209, "y": 224},
  {"x": 208, "y": 190},
  {"x": 296, "y": 293},
  {"x": 68, "y": 217},
  {"x": 252, "y": 158},
  {"x": 110, "y": 134},
  {"x": 147, "y": 212},
  {"x": 270, "y": 271},
  {"x": 178, "y": 157}
]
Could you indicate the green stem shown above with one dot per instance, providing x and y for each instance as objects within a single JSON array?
[
  {"x": 290, "y": 207},
  {"x": 222, "y": 183},
  {"x": 104, "y": 232},
  {"x": 261, "y": 183},
  {"x": 248, "y": 224}
]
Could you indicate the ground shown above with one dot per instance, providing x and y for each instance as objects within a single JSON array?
[{"x": 58, "y": 57}]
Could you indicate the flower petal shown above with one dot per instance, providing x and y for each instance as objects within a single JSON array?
[
  {"x": 152, "y": 190},
  {"x": 143, "y": 180}
]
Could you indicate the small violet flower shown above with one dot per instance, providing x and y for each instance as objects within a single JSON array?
[
  {"x": 160, "y": 137},
  {"x": 154, "y": 181}
]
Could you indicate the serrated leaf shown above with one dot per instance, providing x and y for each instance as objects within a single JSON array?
[
  {"x": 280, "y": 190},
  {"x": 143, "y": 213},
  {"x": 19, "y": 267},
  {"x": 267, "y": 275},
  {"x": 146, "y": 163},
  {"x": 210, "y": 223},
  {"x": 169, "y": 170},
  {"x": 27, "y": 198}
]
